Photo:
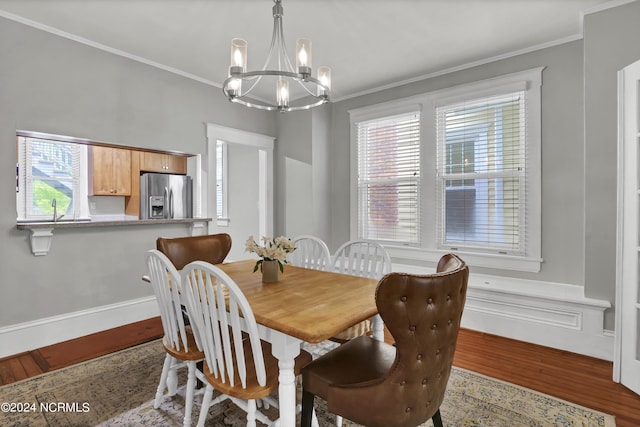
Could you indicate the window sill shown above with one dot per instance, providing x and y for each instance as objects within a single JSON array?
[
  {"x": 501, "y": 262},
  {"x": 42, "y": 232}
]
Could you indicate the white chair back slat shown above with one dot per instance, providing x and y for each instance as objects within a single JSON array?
[
  {"x": 221, "y": 314},
  {"x": 165, "y": 281},
  {"x": 311, "y": 252},
  {"x": 362, "y": 258}
]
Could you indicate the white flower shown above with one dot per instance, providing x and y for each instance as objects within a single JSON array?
[{"x": 274, "y": 249}]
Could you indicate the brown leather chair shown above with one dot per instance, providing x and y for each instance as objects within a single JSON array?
[
  {"x": 381, "y": 385},
  {"x": 212, "y": 248}
]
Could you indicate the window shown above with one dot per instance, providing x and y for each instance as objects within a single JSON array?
[
  {"x": 48, "y": 173},
  {"x": 481, "y": 164},
  {"x": 222, "y": 215},
  {"x": 389, "y": 178},
  {"x": 453, "y": 170}
]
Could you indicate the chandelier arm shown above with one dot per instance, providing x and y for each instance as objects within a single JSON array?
[
  {"x": 274, "y": 41},
  {"x": 301, "y": 83},
  {"x": 248, "y": 91},
  {"x": 283, "y": 49}
]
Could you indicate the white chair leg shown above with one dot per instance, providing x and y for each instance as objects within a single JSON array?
[
  {"x": 172, "y": 379},
  {"x": 206, "y": 403},
  {"x": 191, "y": 386},
  {"x": 338, "y": 421},
  {"x": 251, "y": 413},
  {"x": 166, "y": 367}
]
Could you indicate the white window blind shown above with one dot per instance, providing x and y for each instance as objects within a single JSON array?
[
  {"x": 481, "y": 175},
  {"x": 389, "y": 178},
  {"x": 49, "y": 170}
]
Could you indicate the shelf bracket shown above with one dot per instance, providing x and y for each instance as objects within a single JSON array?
[{"x": 41, "y": 240}]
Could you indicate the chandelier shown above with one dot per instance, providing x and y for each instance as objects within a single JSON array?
[{"x": 293, "y": 88}]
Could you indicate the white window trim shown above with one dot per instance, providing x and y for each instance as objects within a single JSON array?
[
  {"x": 528, "y": 80},
  {"x": 223, "y": 220}
]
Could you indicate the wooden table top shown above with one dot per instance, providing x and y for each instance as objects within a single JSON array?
[{"x": 307, "y": 304}]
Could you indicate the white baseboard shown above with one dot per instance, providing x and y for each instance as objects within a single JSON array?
[
  {"x": 555, "y": 315},
  {"x": 42, "y": 332}
]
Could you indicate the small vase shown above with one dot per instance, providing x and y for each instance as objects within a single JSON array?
[{"x": 269, "y": 271}]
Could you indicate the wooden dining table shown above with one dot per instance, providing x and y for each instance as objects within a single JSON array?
[{"x": 303, "y": 306}]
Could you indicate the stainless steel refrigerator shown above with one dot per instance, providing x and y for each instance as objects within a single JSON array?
[{"x": 165, "y": 196}]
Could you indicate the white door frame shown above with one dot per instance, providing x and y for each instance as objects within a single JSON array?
[
  {"x": 626, "y": 363},
  {"x": 264, "y": 144}
]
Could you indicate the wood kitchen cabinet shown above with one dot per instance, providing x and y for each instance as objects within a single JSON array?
[
  {"x": 109, "y": 171},
  {"x": 163, "y": 163}
]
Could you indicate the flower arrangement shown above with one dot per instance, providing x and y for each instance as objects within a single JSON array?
[{"x": 273, "y": 249}]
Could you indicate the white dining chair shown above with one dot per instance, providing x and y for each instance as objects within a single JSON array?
[
  {"x": 365, "y": 259},
  {"x": 238, "y": 364},
  {"x": 178, "y": 341},
  {"x": 362, "y": 258},
  {"x": 311, "y": 252}
]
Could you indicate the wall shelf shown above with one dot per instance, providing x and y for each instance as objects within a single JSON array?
[{"x": 42, "y": 232}]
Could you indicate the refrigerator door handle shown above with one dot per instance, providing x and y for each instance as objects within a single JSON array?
[
  {"x": 165, "y": 213},
  {"x": 171, "y": 204}
]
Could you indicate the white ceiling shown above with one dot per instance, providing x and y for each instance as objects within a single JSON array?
[{"x": 369, "y": 44}]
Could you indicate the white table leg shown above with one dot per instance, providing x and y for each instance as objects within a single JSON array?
[
  {"x": 285, "y": 349},
  {"x": 378, "y": 327},
  {"x": 287, "y": 393}
]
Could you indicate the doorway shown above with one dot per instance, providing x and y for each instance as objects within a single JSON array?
[{"x": 248, "y": 186}]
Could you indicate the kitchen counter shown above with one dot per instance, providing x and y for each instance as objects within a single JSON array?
[
  {"x": 104, "y": 223},
  {"x": 42, "y": 231}
]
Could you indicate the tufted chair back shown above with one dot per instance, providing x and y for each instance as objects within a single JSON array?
[
  {"x": 212, "y": 248},
  {"x": 405, "y": 385},
  {"x": 422, "y": 313}
]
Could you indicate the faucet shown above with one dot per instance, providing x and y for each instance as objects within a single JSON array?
[{"x": 55, "y": 211}]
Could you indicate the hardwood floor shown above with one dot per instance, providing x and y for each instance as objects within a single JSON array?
[
  {"x": 579, "y": 379},
  {"x": 47, "y": 359}
]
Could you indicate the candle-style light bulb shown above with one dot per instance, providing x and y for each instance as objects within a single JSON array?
[
  {"x": 303, "y": 56},
  {"x": 324, "y": 75},
  {"x": 282, "y": 93},
  {"x": 235, "y": 87},
  {"x": 238, "y": 56}
]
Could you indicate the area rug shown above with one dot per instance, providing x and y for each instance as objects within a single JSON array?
[{"x": 117, "y": 390}]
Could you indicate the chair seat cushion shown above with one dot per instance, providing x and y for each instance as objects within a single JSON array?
[
  {"x": 253, "y": 389},
  {"x": 360, "y": 360}
]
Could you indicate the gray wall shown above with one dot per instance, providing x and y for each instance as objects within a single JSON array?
[
  {"x": 611, "y": 42},
  {"x": 51, "y": 84},
  {"x": 303, "y": 173}
]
